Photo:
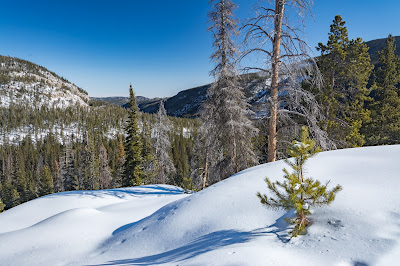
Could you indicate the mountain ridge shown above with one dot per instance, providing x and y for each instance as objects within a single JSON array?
[
  {"x": 35, "y": 85},
  {"x": 26, "y": 83},
  {"x": 187, "y": 103}
]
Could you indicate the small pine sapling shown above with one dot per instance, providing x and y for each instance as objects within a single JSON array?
[{"x": 297, "y": 192}]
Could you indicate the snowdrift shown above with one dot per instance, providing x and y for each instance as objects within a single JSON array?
[{"x": 224, "y": 224}]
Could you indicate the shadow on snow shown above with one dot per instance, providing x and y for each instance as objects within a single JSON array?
[
  {"x": 122, "y": 192},
  {"x": 208, "y": 243}
]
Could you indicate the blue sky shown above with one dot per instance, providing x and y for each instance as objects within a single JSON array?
[{"x": 161, "y": 47}]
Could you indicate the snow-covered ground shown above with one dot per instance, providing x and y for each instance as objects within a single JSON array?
[
  {"x": 224, "y": 224},
  {"x": 64, "y": 133}
]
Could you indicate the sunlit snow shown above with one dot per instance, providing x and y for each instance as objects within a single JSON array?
[{"x": 224, "y": 224}]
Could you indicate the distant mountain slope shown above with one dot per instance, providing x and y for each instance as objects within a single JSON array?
[
  {"x": 119, "y": 100},
  {"x": 187, "y": 102},
  {"x": 376, "y": 45},
  {"x": 23, "y": 82}
]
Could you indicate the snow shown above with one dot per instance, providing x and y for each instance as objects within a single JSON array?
[
  {"x": 300, "y": 145},
  {"x": 224, "y": 224}
]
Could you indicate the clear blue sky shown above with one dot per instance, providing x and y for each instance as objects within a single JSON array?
[{"x": 160, "y": 46}]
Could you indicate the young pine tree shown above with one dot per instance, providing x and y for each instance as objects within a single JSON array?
[
  {"x": 298, "y": 192},
  {"x": 133, "y": 169}
]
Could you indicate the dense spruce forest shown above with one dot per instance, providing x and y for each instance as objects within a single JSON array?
[
  {"x": 77, "y": 148},
  {"x": 48, "y": 148}
]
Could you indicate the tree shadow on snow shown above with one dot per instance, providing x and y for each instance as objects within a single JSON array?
[
  {"x": 122, "y": 192},
  {"x": 208, "y": 243}
]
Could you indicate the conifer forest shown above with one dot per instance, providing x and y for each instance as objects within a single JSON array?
[{"x": 345, "y": 96}]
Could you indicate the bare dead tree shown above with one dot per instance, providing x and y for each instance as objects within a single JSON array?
[
  {"x": 275, "y": 36},
  {"x": 162, "y": 145},
  {"x": 227, "y": 129}
]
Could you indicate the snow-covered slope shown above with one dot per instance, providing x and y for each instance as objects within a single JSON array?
[
  {"x": 222, "y": 225},
  {"x": 23, "y": 82}
]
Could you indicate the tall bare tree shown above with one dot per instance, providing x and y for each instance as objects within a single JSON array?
[
  {"x": 162, "y": 146},
  {"x": 275, "y": 35},
  {"x": 225, "y": 112}
]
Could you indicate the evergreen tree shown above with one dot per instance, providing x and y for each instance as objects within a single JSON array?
[
  {"x": 162, "y": 146},
  {"x": 70, "y": 172},
  {"x": 227, "y": 129},
  {"x": 10, "y": 194},
  {"x": 180, "y": 157},
  {"x": 46, "y": 181},
  {"x": 119, "y": 171},
  {"x": 104, "y": 172},
  {"x": 23, "y": 184},
  {"x": 95, "y": 178},
  {"x": 298, "y": 192},
  {"x": 133, "y": 169},
  {"x": 346, "y": 66},
  {"x": 384, "y": 127},
  {"x": 58, "y": 181}
]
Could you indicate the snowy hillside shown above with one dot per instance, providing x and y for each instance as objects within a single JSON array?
[
  {"x": 222, "y": 225},
  {"x": 23, "y": 82}
]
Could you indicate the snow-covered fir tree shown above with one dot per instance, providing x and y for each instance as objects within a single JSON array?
[
  {"x": 227, "y": 130},
  {"x": 162, "y": 146}
]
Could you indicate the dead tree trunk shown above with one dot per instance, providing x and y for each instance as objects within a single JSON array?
[{"x": 279, "y": 10}]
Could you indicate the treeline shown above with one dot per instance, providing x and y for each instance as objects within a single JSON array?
[{"x": 92, "y": 156}]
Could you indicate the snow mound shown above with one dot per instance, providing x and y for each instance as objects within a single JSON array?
[
  {"x": 54, "y": 229},
  {"x": 224, "y": 224}
]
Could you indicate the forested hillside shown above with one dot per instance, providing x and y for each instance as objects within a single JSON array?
[
  {"x": 25, "y": 83},
  {"x": 51, "y": 150},
  {"x": 53, "y": 138}
]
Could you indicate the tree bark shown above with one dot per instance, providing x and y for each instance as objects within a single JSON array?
[{"x": 279, "y": 10}]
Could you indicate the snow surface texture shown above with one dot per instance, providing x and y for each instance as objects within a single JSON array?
[{"x": 224, "y": 224}]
